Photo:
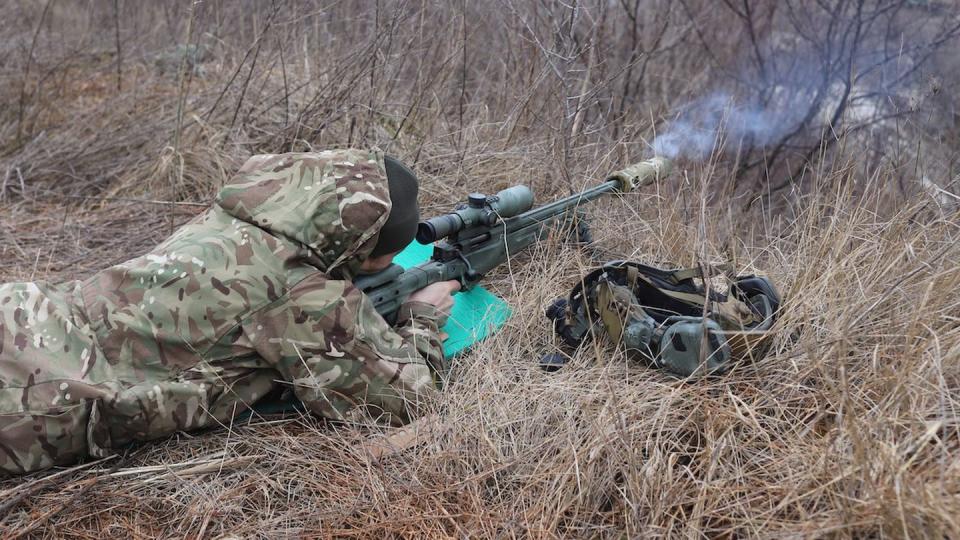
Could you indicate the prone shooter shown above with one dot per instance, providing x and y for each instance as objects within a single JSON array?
[{"x": 284, "y": 283}]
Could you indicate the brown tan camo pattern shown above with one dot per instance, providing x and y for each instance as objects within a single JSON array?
[{"x": 253, "y": 293}]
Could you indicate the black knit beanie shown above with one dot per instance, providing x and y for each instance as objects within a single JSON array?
[{"x": 401, "y": 225}]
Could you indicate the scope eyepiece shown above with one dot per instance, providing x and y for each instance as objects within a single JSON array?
[{"x": 433, "y": 229}]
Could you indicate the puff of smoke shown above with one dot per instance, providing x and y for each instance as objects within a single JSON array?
[{"x": 718, "y": 123}]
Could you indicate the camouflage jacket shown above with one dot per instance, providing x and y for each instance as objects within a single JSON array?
[{"x": 253, "y": 293}]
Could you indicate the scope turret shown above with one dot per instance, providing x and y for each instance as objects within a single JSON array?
[{"x": 479, "y": 210}]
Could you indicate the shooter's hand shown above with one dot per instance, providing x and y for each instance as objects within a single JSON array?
[{"x": 439, "y": 295}]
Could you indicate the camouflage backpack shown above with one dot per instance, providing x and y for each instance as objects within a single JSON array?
[{"x": 669, "y": 319}]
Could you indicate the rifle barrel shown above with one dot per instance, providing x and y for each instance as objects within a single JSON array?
[{"x": 560, "y": 206}]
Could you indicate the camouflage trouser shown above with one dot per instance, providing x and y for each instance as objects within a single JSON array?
[
  {"x": 47, "y": 356},
  {"x": 61, "y": 400},
  {"x": 31, "y": 442},
  {"x": 62, "y": 434}
]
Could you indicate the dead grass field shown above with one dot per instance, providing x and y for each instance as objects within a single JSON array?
[{"x": 119, "y": 120}]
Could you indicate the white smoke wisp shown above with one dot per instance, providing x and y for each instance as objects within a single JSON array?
[{"x": 717, "y": 122}]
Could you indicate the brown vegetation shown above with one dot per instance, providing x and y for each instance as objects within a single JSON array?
[{"x": 120, "y": 119}]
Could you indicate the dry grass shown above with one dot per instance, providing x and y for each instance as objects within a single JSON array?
[{"x": 849, "y": 428}]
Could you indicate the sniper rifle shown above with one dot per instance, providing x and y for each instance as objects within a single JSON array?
[{"x": 483, "y": 232}]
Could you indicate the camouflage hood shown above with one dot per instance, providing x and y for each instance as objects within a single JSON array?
[{"x": 332, "y": 202}]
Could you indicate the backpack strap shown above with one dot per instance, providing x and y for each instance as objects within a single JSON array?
[
  {"x": 733, "y": 310},
  {"x": 684, "y": 274},
  {"x": 633, "y": 273}
]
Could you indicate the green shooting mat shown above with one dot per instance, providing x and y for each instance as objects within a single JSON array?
[{"x": 476, "y": 313}]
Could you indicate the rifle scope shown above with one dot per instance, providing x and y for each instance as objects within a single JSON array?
[{"x": 479, "y": 210}]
